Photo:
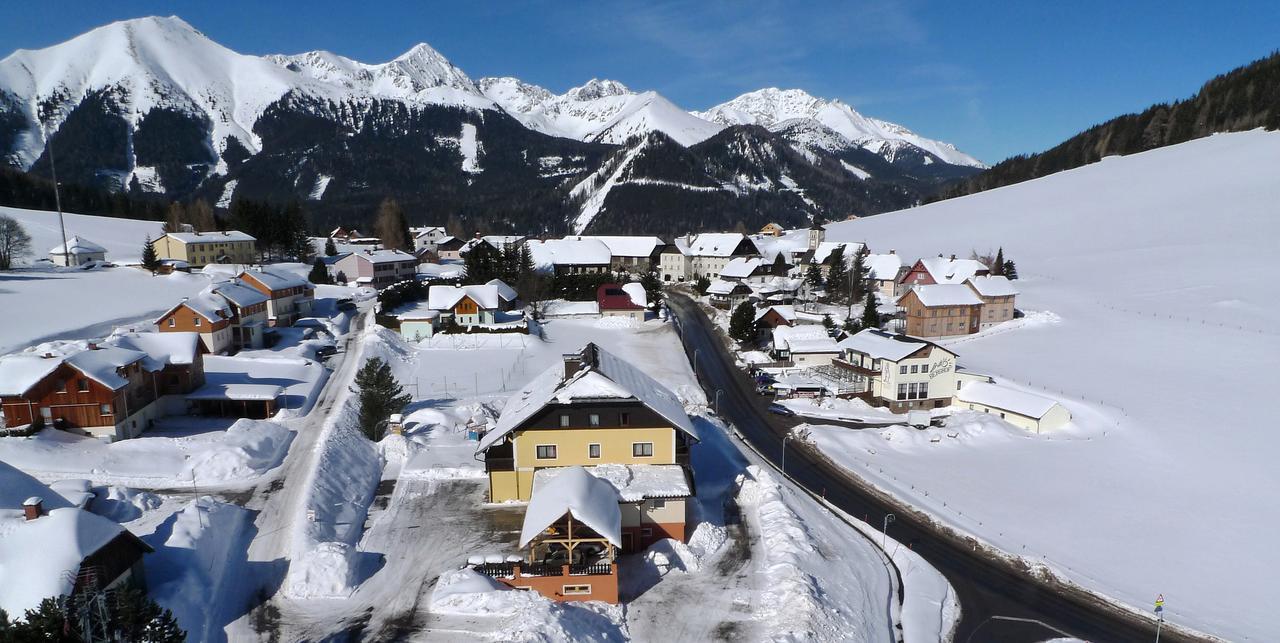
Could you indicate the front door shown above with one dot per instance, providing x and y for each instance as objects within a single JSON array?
[{"x": 627, "y": 546}]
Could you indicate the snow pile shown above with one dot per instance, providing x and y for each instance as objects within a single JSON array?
[
  {"x": 528, "y": 616},
  {"x": 249, "y": 448},
  {"x": 123, "y": 504}
]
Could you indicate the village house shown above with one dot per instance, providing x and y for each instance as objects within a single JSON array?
[
  {"x": 596, "y": 411},
  {"x": 205, "y": 314},
  {"x": 465, "y": 305},
  {"x": 1022, "y": 409},
  {"x": 926, "y": 272},
  {"x": 449, "y": 249},
  {"x": 497, "y": 242},
  {"x": 883, "y": 271},
  {"x": 896, "y": 371},
  {"x": 570, "y": 256},
  {"x": 418, "y": 321},
  {"x": 726, "y": 295},
  {"x": 343, "y": 235},
  {"x": 772, "y": 317},
  {"x": 203, "y": 248},
  {"x": 772, "y": 230},
  {"x": 56, "y": 550},
  {"x": 248, "y": 314},
  {"x": 288, "y": 296},
  {"x": 707, "y": 254},
  {"x": 633, "y": 254},
  {"x": 804, "y": 345},
  {"x": 104, "y": 390},
  {"x": 940, "y": 310},
  {"x": 77, "y": 252},
  {"x": 507, "y": 296},
  {"x": 744, "y": 268},
  {"x": 426, "y": 238},
  {"x": 614, "y": 300},
  {"x": 777, "y": 290},
  {"x": 997, "y": 294},
  {"x": 377, "y": 268}
]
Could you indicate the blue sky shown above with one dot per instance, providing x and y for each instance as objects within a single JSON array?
[{"x": 994, "y": 78}]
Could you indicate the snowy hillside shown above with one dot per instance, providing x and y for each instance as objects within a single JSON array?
[
  {"x": 1152, "y": 316},
  {"x": 779, "y": 110},
  {"x": 123, "y": 238}
]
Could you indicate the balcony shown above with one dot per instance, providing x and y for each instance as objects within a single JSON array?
[{"x": 855, "y": 368}]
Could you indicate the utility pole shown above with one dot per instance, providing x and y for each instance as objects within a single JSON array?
[
  {"x": 884, "y": 532},
  {"x": 57, "y": 198}
]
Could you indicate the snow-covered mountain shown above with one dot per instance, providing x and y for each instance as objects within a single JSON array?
[
  {"x": 828, "y": 124},
  {"x": 604, "y": 111}
]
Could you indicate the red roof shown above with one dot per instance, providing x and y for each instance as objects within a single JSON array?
[{"x": 613, "y": 297}]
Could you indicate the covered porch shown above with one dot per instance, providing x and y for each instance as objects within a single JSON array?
[{"x": 254, "y": 401}]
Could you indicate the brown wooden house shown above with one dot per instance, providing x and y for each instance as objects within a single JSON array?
[{"x": 940, "y": 310}]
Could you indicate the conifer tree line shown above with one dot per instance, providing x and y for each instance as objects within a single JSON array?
[
  {"x": 129, "y": 616},
  {"x": 281, "y": 231}
]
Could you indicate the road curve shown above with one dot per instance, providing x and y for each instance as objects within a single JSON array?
[{"x": 998, "y": 599}]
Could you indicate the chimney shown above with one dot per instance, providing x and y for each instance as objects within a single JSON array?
[
  {"x": 33, "y": 507},
  {"x": 47, "y": 356},
  {"x": 225, "y": 234},
  {"x": 572, "y": 364},
  {"x": 93, "y": 346},
  {"x": 197, "y": 233},
  {"x": 953, "y": 257}
]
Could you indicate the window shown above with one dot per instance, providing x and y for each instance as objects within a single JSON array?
[
  {"x": 172, "y": 322},
  {"x": 924, "y": 390},
  {"x": 593, "y": 450},
  {"x": 575, "y": 590},
  {"x": 1002, "y": 415},
  {"x": 959, "y": 384},
  {"x": 546, "y": 452},
  {"x": 902, "y": 391},
  {"x": 658, "y": 503},
  {"x": 902, "y": 370},
  {"x": 642, "y": 449},
  {"x": 624, "y": 419},
  {"x": 564, "y": 420},
  {"x": 646, "y": 532},
  {"x": 62, "y": 386},
  {"x": 195, "y": 321},
  {"x": 83, "y": 385},
  {"x": 911, "y": 391},
  {"x": 593, "y": 419},
  {"x": 915, "y": 368},
  {"x": 104, "y": 409}
]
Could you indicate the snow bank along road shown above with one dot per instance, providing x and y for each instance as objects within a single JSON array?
[{"x": 992, "y": 590}]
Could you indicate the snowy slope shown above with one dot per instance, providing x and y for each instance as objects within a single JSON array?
[
  {"x": 1161, "y": 340},
  {"x": 779, "y": 109},
  {"x": 601, "y": 110}
]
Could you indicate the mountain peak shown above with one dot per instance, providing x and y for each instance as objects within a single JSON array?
[{"x": 597, "y": 88}]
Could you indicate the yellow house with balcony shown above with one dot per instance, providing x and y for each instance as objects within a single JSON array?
[{"x": 594, "y": 410}]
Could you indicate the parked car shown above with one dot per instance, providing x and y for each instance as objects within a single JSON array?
[
  {"x": 781, "y": 410},
  {"x": 326, "y": 351},
  {"x": 346, "y": 304}
]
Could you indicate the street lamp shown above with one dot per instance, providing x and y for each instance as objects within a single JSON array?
[
  {"x": 785, "y": 437},
  {"x": 718, "y": 392},
  {"x": 884, "y": 532}
]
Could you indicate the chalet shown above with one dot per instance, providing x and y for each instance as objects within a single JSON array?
[
  {"x": 498, "y": 242},
  {"x": 596, "y": 411},
  {"x": 77, "y": 252},
  {"x": 377, "y": 268},
  {"x": 634, "y": 254},
  {"x": 203, "y": 248},
  {"x": 997, "y": 294},
  {"x": 926, "y": 272},
  {"x": 288, "y": 296},
  {"x": 1022, "y": 409},
  {"x": 507, "y": 296},
  {"x": 248, "y": 314},
  {"x": 772, "y": 230},
  {"x": 106, "y": 391},
  {"x": 726, "y": 295},
  {"x": 883, "y": 271},
  {"x": 804, "y": 346},
  {"x": 343, "y": 235},
  {"x": 772, "y": 317},
  {"x": 615, "y": 301},
  {"x": 896, "y": 371},
  {"x": 63, "y": 551},
  {"x": 449, "y": 249},
  {"x": 940, "y": 310},
  {"x": 465, "y": 305},
  {"x": 570, "y": 256}
]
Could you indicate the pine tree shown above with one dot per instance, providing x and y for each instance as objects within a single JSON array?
[
  {"x": 997, "y": 267},
  {"x": 1010, "y": 270},
  {"x": 330, "y": 249},
  {"x": 652, "y": 289},
  {"x": 150, "y": 260},
  {"x": 813, "y": 276},
  {"x": 341, "y": 277},
  {"x": 701, "y": 285},
  {"x": 318, "y": 273},
  {"x": 828, "y": 323},
  {"x": 742, "y": 323},
  {"x": 858, "y": 278},
  {"x": 838, "y": 274},
  {"x": 850, "y": 326},
  {"x": 870, "y": 316},
  {"x": 380, "y": 396},
  {"x": 527, "y": 266}
]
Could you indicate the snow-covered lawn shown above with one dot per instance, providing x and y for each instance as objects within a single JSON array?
[
  {"x": 122, "y": 238},
  {"x": 1157, "y": 329}
]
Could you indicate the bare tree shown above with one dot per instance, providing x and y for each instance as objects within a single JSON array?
[
  {"x": 201, "y": 216},
  {"x": 14, "y": 242},
  {"x": 391, "y": 226},
  {"x": 174, "y": 217}
]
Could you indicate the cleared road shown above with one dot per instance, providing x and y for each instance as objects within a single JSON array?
[{"x": 999, "y": 601}]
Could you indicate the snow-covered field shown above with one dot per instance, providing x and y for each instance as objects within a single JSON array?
[
  {"x": 1161, "y": 340},
  {"x": 123, "y": 238}
]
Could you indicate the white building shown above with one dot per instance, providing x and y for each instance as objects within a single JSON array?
[
  {"x": 805, "y": 345},
  {"x": 1019, "y": 408},
  {"x": 77, "y": 252},
  {"x": 705, "y": 255},
  {"x": 426, "y": 238},
  {"x": 898, "y": 371}
]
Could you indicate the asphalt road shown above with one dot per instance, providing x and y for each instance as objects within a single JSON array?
[{"x": 999, "y": 601}]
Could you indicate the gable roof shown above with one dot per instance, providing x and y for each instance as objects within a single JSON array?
[
  {"x": 631, "y": 482},
  {"x": 614, "y": 378},
  {"x": 807, "y": 338},
  {"x": 638, "y": 296},
  {"x": 933, "y": 295},
  {"x": 385, "y": 256},
  {"x": 883, "y": 267},
  {"x": 239, "y": 294},
  {"x": 787, "y": 313},
  {"x": 952, "y": 271},
  {"x": 626, "y": 245},
  {"x": 1000, "y": 397},
  {"x": 20, "y": 372},
  {"x": 101, "y": 365},
  {"x": 719, "y": 244},
  {"x": 614, "y": 297},
  {"x": 78, "y": 246},
  {"x": 722, "y": 287},
  {"x": 590, "y": 500},
  {"x": 505, "y": 292},
  {"x": 446, "y": 297},
  {"x": 569, "y": 252},
  {"x": 823, "y": 252},
  {"x": 276, "y": 280},
  {"x": 162, "y": 349},
  {"x": 878, "y": 344},
  {"x": 742, "y": 267},
  {"x": 993, "y": 286}
]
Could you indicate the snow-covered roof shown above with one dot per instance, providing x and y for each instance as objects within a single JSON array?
[
  {"x": 883, "y": 267},
  {"x": 786, "y": 312},
  {"x": 878, "y": 344},
  {"x": 446, "y": 297},
  {"x": 420, "y": 232},
  {"x": 722, "y": 287},
  {"x": 607, "y": 375},
  {"x": 236, "y": 391},
  {"x": 507, "y": 293},
  {"x": 40, "y": 558},
  {"x": 77, "y": 246},
  {"x": 204, "y": 303},
  {"x": 716, "y": 244},
  {"x": 932, "y": 295},
  {"x": 952, "y": 271},
  {"x": 277, "y": 280},
  {"x": 590, "y": 500},
  {"x": 626, "y": 246},
  {"x": 1000, "y": 397},
  {"x": 993, "y": 286},
  {"x": 562, "y": 308},
  {"x": 239, "y": 294},
  {"x": 632, "y": 482},
  {"x": 824, "y": 250},
  {"x": 417, "y": 310},
  {"x": 216, "y": 237},
  {"x": 18, "y": 373},
  {"x": 101, "y": 365},
  {"x": 569, "y": 252},
  {"x": 638, "y": 296},
  {"x": 385, "y": 256},
  {"x": 741, "y": 267},
  {"x": 161, "y": 348},
  {"x": 807, "y": 338}
]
